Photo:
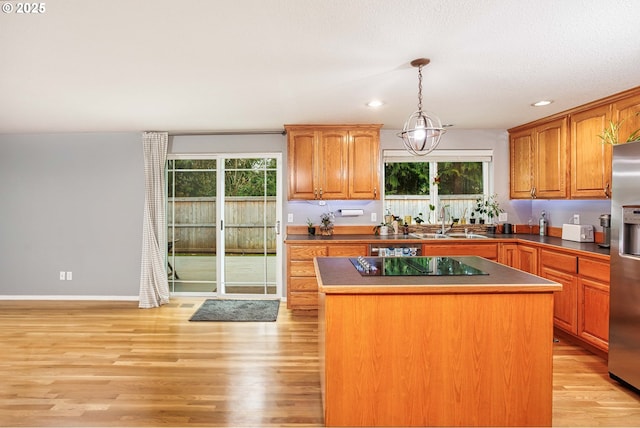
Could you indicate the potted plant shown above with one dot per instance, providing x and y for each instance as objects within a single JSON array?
[
  {"x": 418, "y": 219},
  {"x": 326, "y": 223},
  {"x": 472, "y": 217},
  {"x": 609, "y": 135},
  {"x": 489, "y": 207},
  {"x": 381, "y": 229},
  {"x": 311, "y": 229}
]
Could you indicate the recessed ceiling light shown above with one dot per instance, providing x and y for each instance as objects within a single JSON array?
[
  {"x": 375, "y": 103},
  {"x": 542, "y": 103}
]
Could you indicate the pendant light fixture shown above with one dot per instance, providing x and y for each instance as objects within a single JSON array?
[{"x": 422, "y": 131}]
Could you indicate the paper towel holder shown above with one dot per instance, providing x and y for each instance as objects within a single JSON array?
[{"x": 351, "y": 212}]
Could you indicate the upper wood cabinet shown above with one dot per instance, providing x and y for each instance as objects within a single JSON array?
[
  {"x": 538, "y": 167},
  {"x": 590, "y": 158},
  {"x": 539, "y": 161},
  {"x": 333, "y": 161},
  {"x": 627, "y": 110}
]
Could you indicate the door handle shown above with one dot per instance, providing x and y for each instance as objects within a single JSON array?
[
  {"x": 221, "y": 224},
  {"x": 278, "y": 227}
]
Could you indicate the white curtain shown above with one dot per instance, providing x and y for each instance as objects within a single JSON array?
[{"x": 154, "y": 286}]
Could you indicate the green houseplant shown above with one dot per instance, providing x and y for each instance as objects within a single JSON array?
[
  {"x": 610, "y": 134},
  {"x": 311, "y": 229},
  {"x": 488, "y": 207}
]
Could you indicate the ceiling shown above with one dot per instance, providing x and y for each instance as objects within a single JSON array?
[{"x": 198, "y": 65}]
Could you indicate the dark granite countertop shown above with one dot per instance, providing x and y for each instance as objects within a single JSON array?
[{"x": 586, "y": 247}]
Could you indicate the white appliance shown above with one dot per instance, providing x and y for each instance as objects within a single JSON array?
[{"x": 577, "y": 232}]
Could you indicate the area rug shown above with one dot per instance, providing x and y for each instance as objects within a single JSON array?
[{"x": 237, "y": 310}]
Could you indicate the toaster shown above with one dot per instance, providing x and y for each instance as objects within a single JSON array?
[{"x": 577, "y": 232}]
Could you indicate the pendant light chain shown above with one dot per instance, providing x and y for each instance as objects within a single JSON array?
[
  {"x": 422, "y": 131},
  {"x": 420, "y": 89}
]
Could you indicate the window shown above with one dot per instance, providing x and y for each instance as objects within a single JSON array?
[{"x": 420, "y": 186}]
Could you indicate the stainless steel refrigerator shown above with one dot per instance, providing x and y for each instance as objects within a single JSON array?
[{"x": 624, "y": 318}]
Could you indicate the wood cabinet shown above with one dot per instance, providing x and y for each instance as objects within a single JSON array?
[
  {"x": 627, "y": 110},
  {"x": 538, "y": 157},
  {"x": 302, "y": 285},
  {"x": 563, "y": 268},
  {"x": 519, "y": 256},
  {"x": 541, "y": 153},
  {"x": 333, "y": 162},
  {"x": 486, "y": 250},
  {"x": 593, "y": 302},
  {"x": 590, "y": 158}
]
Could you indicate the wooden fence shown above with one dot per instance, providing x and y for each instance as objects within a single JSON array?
[
  {"x": 457, "y": 207},
  {"x": 195, "y": 229}
]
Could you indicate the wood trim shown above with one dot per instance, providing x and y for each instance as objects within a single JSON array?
[{"x": 597, "y": 103}]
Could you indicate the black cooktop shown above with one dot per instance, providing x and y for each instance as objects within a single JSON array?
[{"x": 413, "y": 266}]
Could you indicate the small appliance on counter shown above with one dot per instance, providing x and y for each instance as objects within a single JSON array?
[
  {"x": 605, "y": 222},
  {"x": 577, "y": 232}
]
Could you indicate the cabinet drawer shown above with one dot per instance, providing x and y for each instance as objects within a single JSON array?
[
  {"x": 594, "y": 269},
  {"x": 488, "y": 251},
  {"x": 303, "y": 300},
  {"x": 306, "y": 252},
  {"x": 303, "y": 284},
  {"x": 301, "y": 268},
  {"x": 559, "y": 261},
  {"x": 347, "y": 250}
]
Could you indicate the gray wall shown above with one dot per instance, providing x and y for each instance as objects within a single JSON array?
[{"x": 71, "y": 202}]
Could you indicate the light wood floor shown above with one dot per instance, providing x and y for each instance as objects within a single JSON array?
[{"x": 112, "y": 364}]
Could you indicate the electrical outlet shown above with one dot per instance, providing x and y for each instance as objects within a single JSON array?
[
  {"x": 290, "y": 218},
  {"x": 374, "y": 217},
  {"x": 63, "y": 275},
  {"x": 576, "y": 219},
  {"x": 503, "y": 217},
  {"x": 69, "y": 276}
]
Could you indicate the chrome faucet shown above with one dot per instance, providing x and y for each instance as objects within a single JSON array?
[{"x": 443, "y": 214}]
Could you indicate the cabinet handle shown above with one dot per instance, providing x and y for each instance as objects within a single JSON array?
[
  {"x": 533, "y": 193},
  {"x": 315, "y": 193},
  {"x": 375, "y": 192},
  {"x": 321, "y": 193},
  {"x": 607, "y": 193}
]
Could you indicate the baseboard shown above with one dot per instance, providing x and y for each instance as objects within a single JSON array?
[{"x": 64, "y": 297}]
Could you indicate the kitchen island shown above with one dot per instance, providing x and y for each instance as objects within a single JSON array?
[{"x": 435, "y": 350}]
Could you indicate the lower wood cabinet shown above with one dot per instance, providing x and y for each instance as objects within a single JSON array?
[
  {"x": 593, "y": 302},
  {"x": 519, "y": 256},
  {"x": 302, "y": 286},
  {"x": 486, "y": 250},
  {"x": 582, "y": 307}
]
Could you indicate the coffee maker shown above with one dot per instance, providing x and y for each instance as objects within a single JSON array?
[{"x": 605, "y": 222}]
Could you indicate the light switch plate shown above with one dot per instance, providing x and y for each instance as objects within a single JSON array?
[
  {"x": 290, "y": 218},
  {"x": 374, "y": 217},
  {"x": 503, "y": 217}
]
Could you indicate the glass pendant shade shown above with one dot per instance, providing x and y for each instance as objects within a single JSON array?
[{"x": 422, "y": 131}]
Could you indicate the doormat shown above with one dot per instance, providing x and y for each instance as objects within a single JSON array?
[{"x": 237, "y": 310}]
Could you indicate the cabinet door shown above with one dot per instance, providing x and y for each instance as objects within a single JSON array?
[
  {"x": 627, "y": 111},
  {"x": 528, "y": 259},
  {"x": 593, "y": 312},
  {"x": 301, "y": 163},
  {"x": 509, "y": 255},
  {"x": 565, "y": 311},
  {"x": 590, "y": 158},
  {"x": 364, "y": 168},
  {"x": 521, "y": 166},
  {"x": 551, "y": 156},
  {"x": 333, "y": 164}
]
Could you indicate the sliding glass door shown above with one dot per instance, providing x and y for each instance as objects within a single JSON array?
[{"x": 224, "y": 225}]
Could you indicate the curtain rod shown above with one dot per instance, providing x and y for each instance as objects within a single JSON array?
[{"x": 266, "y": 132}]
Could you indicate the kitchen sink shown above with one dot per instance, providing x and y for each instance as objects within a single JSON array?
[
  {"x": 468, "y": 236},
  {"x": 429, "y": 236}
]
